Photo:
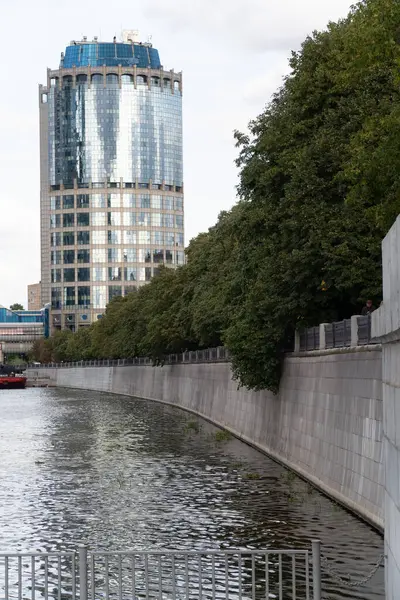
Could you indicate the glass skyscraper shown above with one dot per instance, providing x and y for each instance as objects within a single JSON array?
[{"x": 111, "y": 175}]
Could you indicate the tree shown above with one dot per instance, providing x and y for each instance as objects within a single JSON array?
[{"x": 16, "y": 306}]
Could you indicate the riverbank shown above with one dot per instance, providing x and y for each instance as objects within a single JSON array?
[{"x": 326, "y": 423}]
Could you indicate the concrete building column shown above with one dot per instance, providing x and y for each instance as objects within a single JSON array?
[{"x": 386, "y": 327}]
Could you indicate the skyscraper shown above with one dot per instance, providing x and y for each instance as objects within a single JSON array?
[{"x": 111, "y": 175}]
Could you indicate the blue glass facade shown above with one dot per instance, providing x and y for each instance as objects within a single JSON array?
[
  {"x": 111, "y": 54},
  {"x": 107, "y": 128}
]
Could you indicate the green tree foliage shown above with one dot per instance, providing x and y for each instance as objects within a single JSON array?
[
  {"x": 319, "y": 188},
  {"x": 16, "y": 306}
]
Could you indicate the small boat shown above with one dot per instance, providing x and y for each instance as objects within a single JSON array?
[{"x": 10, "y": 379}]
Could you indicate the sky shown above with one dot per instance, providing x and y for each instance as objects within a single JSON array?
[{"x": 233, "y": 54}]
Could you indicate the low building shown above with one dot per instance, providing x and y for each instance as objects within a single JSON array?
[
  {"x": 20, "y": 328},
  {"x": 35, "y": 296}
]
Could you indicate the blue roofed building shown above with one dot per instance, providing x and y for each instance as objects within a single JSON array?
[{"x": 20, "y": 328}]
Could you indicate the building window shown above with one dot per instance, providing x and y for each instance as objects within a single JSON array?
[
  {"x": 98, "y": 237},
  {"x": 130, "y": 237},
  {"x": 83, "y": 295},
  {"x": 98, "y": 219},
  {"x": 168, "y": 220},
  {"x": 82, "y": 201},
  {"x": 169, "y": 257},
  {"x": 129, "y": 201},
  {"x": 180, "y": 258},
  {"x": 99, "y": 296},
  {"x": 178, "y": 204},
  {"x": 156, "y": 219},
  {"x": 158, "y": 256},
  {"x": 114, "y": 255},
  {"x": 114, "y": 218},
  {"x": 144, "y": 201},
  {"x": 179, "y": 239},
  {"x": 55, "y": 239},
  {"x": 114, "y": 274},
  {"x": 127, "y": 79},
  {"x": 114, "y": 237},
  {"x": 168, "y": 203},
  {"x": 130, "y": 273},
  {"x": 99, "y": 255},
  {"x": 147, "y": 273},
  {"x": 82, "y": 219},
  {"x": 130, "y": 289},
  {"x": 179, "y": 221},
  {"x": 97, "y": 79},
  {"x": 69, "y": 275},
  {"x": 144, "y": 219},
  {"x": 129, "y": 219},
  {"x": 99, "y": 201},
  {"x": 56, "y": 257},
  {"x": 144, "y": 255},
  {"x": 144, "y": 237},
  {"x": 157, "y": 238},
  {"x": 69, "y": 296},
  {"x": 83, "y": 256},
  {"x": 55, "y": 221},
  {"x": 55, "y": 297},
  {"x": 83, "y": 238},
  {"x": 69, "y": 257},
  {"x": 169, "y": 239},
  {"x": 156, "y": 202},
  {"x": 113, "y": 200},
  {"x": 113, "y": 291},
  {"x": 130, "y": 255},
  {"x": 56, "y": 276},
  {"x": 55, "y": 203},
  {"x": 68, "y": 238},
  {"x": 99, "y": 273},
  {"x": 68, "y": 219},
  {"x": 84, "y": 274},
  {"x": 68, "y": 202}
]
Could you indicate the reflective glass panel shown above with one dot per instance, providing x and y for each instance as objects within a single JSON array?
[
  {"x": 55, "y": 221},
  {"x": 99, "y": 273},
  {"x": 99, "y": 201},
  {"x": 83, "y": 256},
  {"x": 156, "y": 202},
  {"x": 98, "y": 219},
  {"x": 82, "y": 201},
  {"x": 84, "y": 274},
  {"x": 114, "y": 255},
  {"x": 68, "y": 202},
  {"x": 113, "y": 291},
  {"x": 147, "y": 274},
  {"x": 56, "y": 257},
  {"x": 129, "y": 201},
  {"x": 168, "y": 203},
  {"x": 99, "y": 237},
  {"x": 156, "y": 220},
  {"x": 144, "y": 237},
  {"x": 83, "y": 238},
  {"x": 130, "y": 237},
  {"x": 113, "y": 201},
  {"x": 82, "y": 219},
  {"x": 68, "y": 238},
  {"x": 129, "y": 219},
  {"x": 114, "y": 273},
  {"x": 168, "y": 220},
  {"x": 130, "y": 273},
  {"x": 114, "y": 237},
  {"x": 83, "y": 295},
  {"x": 157, "y": 238},
  {"x": 55, "y": 297},
  {"x": 169, "y": 257},
  {"x": 114, "y": 218},
  {"x": 69, "y": 296},
  {"x": 69, "y": 257},
  {"x": 68, "y": 219},
  {"x": 179, "y": 221},
  {"x": 55, "y": 275},
  {"x": 144, "y": 201},
  {"x": 55, "y": 203},
  {"x": 143, "y": 219},
  {"x": 69, "y": 275},
  {"x": 144, "y": 255},
  {"x": 55, "y": 239},
  {"x": 158, "y": 256},
  {"x": 99, "y": 296},
  {"x": 99, "y": 255},
  {"x": 130, "y": 255}
]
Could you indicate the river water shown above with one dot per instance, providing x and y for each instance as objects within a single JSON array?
[{"x": 118, "y": 473}]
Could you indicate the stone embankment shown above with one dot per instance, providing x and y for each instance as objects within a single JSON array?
[{"x": 326, "y": 423}]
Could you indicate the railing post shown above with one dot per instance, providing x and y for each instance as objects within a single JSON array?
[
  {"x": 83, "y": 586},
  {"x": 354, "y": 331},
  {"x": 316, "y": 567},
  {"x": 297, "y": 341},
  {"x": 322, "y": 337}
]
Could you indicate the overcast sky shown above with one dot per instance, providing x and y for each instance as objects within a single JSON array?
[{"x": 233, "y": 54}]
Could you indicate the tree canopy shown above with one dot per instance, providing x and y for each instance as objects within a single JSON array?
[
  {"x": 16, "y": 306},
  {"x": 319, "y": 188}
]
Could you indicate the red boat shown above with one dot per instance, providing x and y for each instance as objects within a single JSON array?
[{"x": 12, "y": 382}]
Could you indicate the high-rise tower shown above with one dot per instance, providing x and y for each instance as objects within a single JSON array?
[{"x": 111, "y": 175}]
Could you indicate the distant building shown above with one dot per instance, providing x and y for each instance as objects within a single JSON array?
[
  {"x": 111, "y": 175},
  {"x": 20, "y": 328},
  {"x": 35, "y": 296}
]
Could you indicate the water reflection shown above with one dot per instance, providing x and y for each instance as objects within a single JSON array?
[{"x": 116, "y": 473}]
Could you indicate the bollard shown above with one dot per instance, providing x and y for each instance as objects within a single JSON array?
[
  {"x": 83, "y": 587},
  {"x": 316, "y": 567}
]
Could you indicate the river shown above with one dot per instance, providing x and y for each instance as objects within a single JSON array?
[{"x": 118, "y": 473}]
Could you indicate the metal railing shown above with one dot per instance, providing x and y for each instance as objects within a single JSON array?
[
  {"x": 337, "y": 335},
  {"x": 166, "y": 575},
  {"x": 210, "y": 355}
]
